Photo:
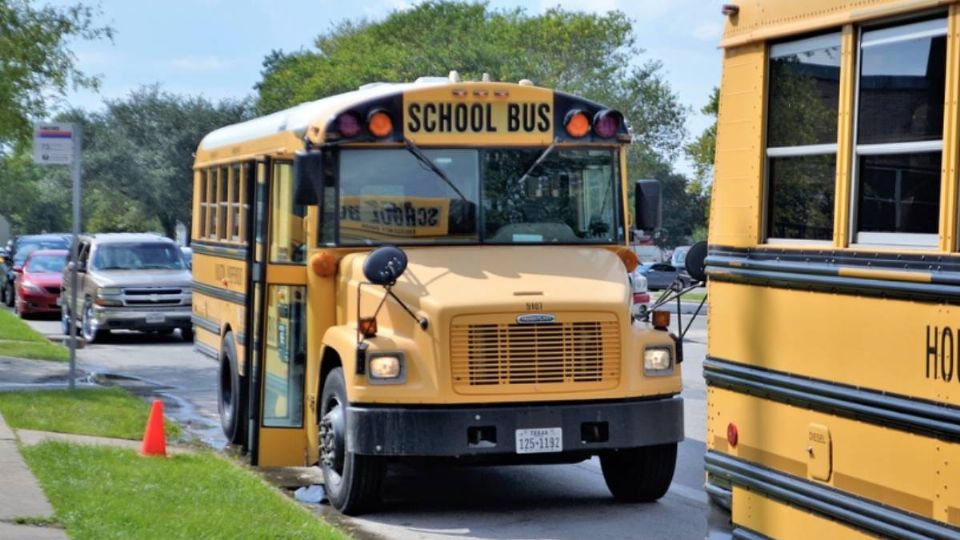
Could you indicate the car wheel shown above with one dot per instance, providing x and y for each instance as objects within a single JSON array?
[
  {"x": 88, "y": 324},
  {"x": 19, "y": 308},
  {"x": 186, "y": 334},
  {"x": 639, "y": 474},
  {"x": 64, "y": 320},
  {"x": 352, "y": 481},
  {"x": 231, "y": 395},
  {"x": 8, "y": 294}
]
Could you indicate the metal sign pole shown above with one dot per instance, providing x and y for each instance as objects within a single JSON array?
[
  {"x": 74, "y": 255},
  {"x": 60, "y": 144}
]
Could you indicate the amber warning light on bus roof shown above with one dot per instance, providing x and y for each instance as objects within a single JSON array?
[{"x": 379, "y": 123}]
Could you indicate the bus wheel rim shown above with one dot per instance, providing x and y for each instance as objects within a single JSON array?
[{"x": 331, "y": 438}]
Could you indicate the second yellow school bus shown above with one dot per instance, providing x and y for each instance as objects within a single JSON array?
[
  {"x": 833, "y": 402},
  {"x": 433, "y": 269}
]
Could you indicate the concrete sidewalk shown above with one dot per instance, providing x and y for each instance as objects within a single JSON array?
[{"x": 20, "y": 494}]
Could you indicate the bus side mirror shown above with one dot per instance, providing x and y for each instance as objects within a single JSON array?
[
  {"x": 307, "y": 178},
  {"x": 647, "y": 205},
  {"x": 696, "y": 261}
]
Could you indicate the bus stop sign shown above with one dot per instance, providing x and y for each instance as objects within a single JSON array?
[{"x": 53, "y": 144}]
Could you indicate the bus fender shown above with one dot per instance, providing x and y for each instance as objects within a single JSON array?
[{"x": 343, "y": 340}]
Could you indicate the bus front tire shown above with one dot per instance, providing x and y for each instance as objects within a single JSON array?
[
  {"x": 352, "y": 481},
  {"x": 639, "y": 474},
  {"x": 230, "y": 393}
]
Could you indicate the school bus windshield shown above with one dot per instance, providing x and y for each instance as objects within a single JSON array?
[{"x": 498, "y": 196}]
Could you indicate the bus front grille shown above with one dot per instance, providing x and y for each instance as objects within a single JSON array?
[{"x": 499, "y": 357}]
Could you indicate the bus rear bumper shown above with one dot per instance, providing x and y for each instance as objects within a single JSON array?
[{"x": 456, "y": 431}]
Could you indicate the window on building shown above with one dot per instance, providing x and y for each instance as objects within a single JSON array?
[
  {"x": 899, "y": 135},
  {"x": 804, "y": 93}
]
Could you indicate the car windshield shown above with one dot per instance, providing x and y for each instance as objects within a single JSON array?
[
  {"x": 139, "y": 256},
  {"x": 26, "y": 247},
  {"x": 502, "y": 196},
  {"x": 39, "y": 264}
]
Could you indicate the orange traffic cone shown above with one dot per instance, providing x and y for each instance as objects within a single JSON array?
[{"x": 154, "y": 442}]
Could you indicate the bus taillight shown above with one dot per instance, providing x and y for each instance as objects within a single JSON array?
[{"x": 733, "y": 435}]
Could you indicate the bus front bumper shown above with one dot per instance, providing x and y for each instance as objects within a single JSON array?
[{"x": 477, "y": 430}]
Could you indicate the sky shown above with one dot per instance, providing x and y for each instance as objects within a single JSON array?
[{"x": 215, "y": 48}]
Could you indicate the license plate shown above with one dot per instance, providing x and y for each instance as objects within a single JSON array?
[
  {"x": 539, "y": 440},
  {"x": 155, "y": 318}
]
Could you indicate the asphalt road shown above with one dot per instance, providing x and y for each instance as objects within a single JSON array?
[{"x": 517, "y": 502}]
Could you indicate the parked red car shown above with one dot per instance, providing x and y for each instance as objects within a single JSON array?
[{"x": 38, "y": 283}]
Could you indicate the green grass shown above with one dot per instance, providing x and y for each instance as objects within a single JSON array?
[
  {"x": 17, "y": 339},
  {"x": 103, "y": 493},
  {"x": 104, "y": 412},
  {"x": 36, "y": 521}
]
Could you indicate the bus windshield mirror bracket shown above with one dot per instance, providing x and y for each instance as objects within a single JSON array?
[{"x": 383, "y": 267}]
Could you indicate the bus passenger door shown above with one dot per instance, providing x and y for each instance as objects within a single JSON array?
[{"x": 279, "y": 284}]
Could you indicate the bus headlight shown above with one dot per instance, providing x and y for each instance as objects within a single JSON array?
[
  {"x": 657, "y": 360},
  {"x": 386, "y": 368}
]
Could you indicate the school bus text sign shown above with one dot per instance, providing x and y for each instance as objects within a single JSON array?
[{"x": 479, "y": 114}]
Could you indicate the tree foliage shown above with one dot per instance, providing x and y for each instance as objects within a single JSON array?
[
  {"x": 702, "y": 151},
  {"x": 595, "y": 56},
  {"x": 36, "y": 65},
  {"x": 140, "y": 150},
  {"x": 137, "y": 165}
]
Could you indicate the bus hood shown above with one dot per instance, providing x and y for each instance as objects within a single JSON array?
[{"x": 446, "y": 281}]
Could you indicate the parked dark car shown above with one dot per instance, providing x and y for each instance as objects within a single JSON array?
[
  {"x": 659, "y": 275},
  {"x": 39, "y": 281},
  {"x": 22, "y": 247}
]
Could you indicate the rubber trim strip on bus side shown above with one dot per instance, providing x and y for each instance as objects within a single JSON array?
[
  {"x": 228, "y": 252},
  {"x": 206, "y": 350},
  {"x": 888, "y": 410},
  {"x": 742, "y": 533},
  {"x": 220, "y": 294},
  {"x": 208, "y": 325},
  {"x": 821, "y": 271},
  {"x": 214, "y": 328},
  {"x": 827, "y": 501}
]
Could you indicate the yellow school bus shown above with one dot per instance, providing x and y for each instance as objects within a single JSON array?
[
  {"x": 833, "y": 402},
  {"x": 438, "y": 270}
]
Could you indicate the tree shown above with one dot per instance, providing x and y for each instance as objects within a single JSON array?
[
  {"x": 36, "y": 65},
  {"x": 595, "y": 56},
  {"x": 702, "y": 151},
  {"x": 32, "y": 201},
  {"x": 138, "y": 157}
]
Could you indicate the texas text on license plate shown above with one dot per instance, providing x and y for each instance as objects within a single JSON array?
[
  {"x": 539, "y": 440},
  {"x": 154, "y": 318}
]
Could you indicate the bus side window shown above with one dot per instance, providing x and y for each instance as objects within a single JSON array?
[{"x": 287, "y": 232}]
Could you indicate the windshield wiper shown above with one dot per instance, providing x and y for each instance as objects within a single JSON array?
[
  {"x": 543, "y": 155},
  {"x": 417, "y": 153}
]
